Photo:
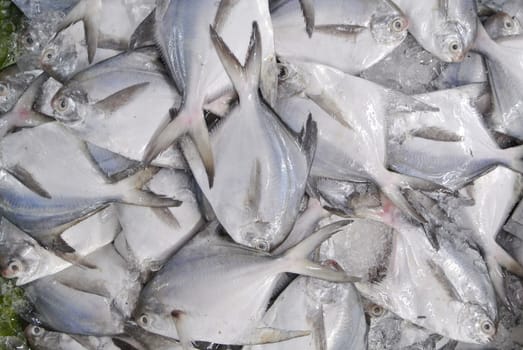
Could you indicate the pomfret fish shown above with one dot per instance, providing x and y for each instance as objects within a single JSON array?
[
  {"x": 256, "y": 158},
  {"x": 13, "y": 83},
  {"x": 347, "y": 35},
  {"x": 450, "y": 147},
  {"x": 445, "y": 28},
  {"x": 42, "y": 203},
  {"x": 353, "y": 110},
  {"x": 185, "y": 308},
  {"x": 182, "y": 31},
  {"x": 333, "y": 313},
  {"x": 24, "y": 259}
]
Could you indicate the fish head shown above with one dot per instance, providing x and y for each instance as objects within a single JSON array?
[
  {"x": 59, "y": 57},
  {"x": 18, "y": 260},
  {"x": 291, "y": 79},
  {"x": 389, "y": 25},
  {"x": 70, "y": 104},
  {"x": 154, "y": 317},
  {"x": 37, "y": 336},
  {"x": 453, "y": 40},
  {"x": 8, "y": 95},
  {"x": 475, "y": 325},
  {"x": 501, "y": 25}
]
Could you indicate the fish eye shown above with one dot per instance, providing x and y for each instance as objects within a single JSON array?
[
  {"x": 376, "y": 310},
  {"x": 36, "y": 331},
  {"x": 398, "y": 25},
  {"x": 143, "y": 320},
  {"x": 29, "y": 39},
  {"x": 454, "y": 46},
  {"x": 14, "y": 266},
  {"x": 284, "y": 73},
  {"x": 509, "y": 23},
  {"x": 63, "y": 105},
  {"x": 261, "y": 244},
  {"x": 49, "y": 54},
  {"x": 488, "y": 328}
]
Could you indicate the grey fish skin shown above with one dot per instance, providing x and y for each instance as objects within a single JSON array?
[
  {"x": 57, "y": 204},
  {"x": 177, "y": 302},
  {"x": 261, "y": 168},
  {"x": 104, "y": 104},
  {"x": 348, "y": 35},
  {"x": 450, "y": 147},
  {"x": 13, "y": 83},
  {"x": 504, "y": 62},
  {"x": 332, "y": 312},
  {"x": 446, "y": 28},
  {"x": 354, "y": 110}
]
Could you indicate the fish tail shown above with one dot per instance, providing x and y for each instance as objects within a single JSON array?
[
  {"x": 513, "y": 158},
  {"x": 246, "y": 78},
  {"x": 295, "y": 260},
  {"x": 190, "y": 122},
  {"x": 131, "y": 192}
]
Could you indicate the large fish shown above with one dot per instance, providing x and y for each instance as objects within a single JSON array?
[
  {"x": 104, "y": 104},
  {"x": 446, "y": 28},
  {"x": 178, "y": 302},
  {"x": 450, "y": 147},
  {"x": 347, "y": 35},
  {"x": 45, "y": 203},
  {"x": 351, "y": 114},
  {"x": 261, "y": 167},
  {"x": 182, "y": 31},
  {"x": 504, "y": 62},
  {"x": 21, "y": 257},
  {"x": 333, "y": 313}
]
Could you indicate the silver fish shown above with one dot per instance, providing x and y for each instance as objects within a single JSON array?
[
  {"x": 45, "y": 203},
  {"x": 445, "y": 28},
  {"x": 450, "y": 147},
  {"x": 150, "y": 236},
  {"x": 185, "y": 308},
  {"x": 256, "y": 157},
  {"x": 347, "y": 35},
  {"x": 353, "y": 110},
  {"x": 104, "y": 104},
  {"x": 13, "y": 83},
  {"x": 21, "y": 257},
  {"x": 333, "y": 313},
  {"x": 504, "y": 61},
  {"x": 182, "y": 31}
]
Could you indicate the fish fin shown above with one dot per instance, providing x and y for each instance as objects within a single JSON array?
[
  {"x": 178, "y": 127},
  {"x": 74, "y": 259},
  {"x": 436, "y": 134},
  {"x": 269, "y": 335},
  {"x": 91, "y": 30},
  {"x": 497, "y": 276},
  {"x": 32, "y": 92},
  {"x": 317, "y": 322},
  {"x": 68, "y": 284},
  {"x": 307, "y": 9},
  {"x": 144, "y": 34},
  {"x": 308, "y": 139},
  {"x": 443, "y": 280},
  {"x": 27, "y": 179},
  {"x": 130, "y": 189},
  {"x": 222, "y": 13},
  {"x": 165, "y": 215},
  {"x": 183, "y": 334},
  {"x": 394, "y": 192},
  {"x": 76, "y": 14},
  {"x": 343, "y": 30},
  {"x": 246, "y": 78},
  {"x": 398, "y": 102},
  {"x": 513, "y": 158},
  {"x": 329, "y": 105},
  {"x": 122, "y": 344},
  {"x": 295, "y": 259},
  {"x": 222, "y": 105},
  {"x": 111, "y": 42},
  {"x": 120, "y": 98}
]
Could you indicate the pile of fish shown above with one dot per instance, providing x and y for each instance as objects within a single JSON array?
[{"x": 283, "y": 174}]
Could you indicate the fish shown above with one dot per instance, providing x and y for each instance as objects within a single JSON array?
[
  {"x": 503, "y": 61},
  {"x": 514, "y": 224},
  {"x": 451, "y": 147},
  {"x": 21, "y": 257},
  {"x": 22, "y": 113},
  {"x": 356, "y": 111},
  {"x": 333, "y": 313},
  {"x": 103, "y": 104},
  {"x": 256, "y": 156},
  {"x": 445, "y": 28},
  {"x": 13, "y": 83},
  {"x": 186, "y": 309},
  {"x": 484, "y": 221},
  {"x": 347, "y": 35},
  {"x": 41, "y": 203},
  {"x": 182, "y": 32},
  {"x": 150, "y": 236}
]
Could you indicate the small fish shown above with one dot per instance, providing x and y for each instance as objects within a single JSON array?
[
  {"x": 185, "y": 308},
  {"x": 348, "y": 35},
  {"x": 446, "y": 28}
]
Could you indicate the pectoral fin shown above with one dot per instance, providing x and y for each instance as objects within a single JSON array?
[
  {"x": 436, "y": 134},
  {"x": 120, "y": 98},
  {"x": 27, "y": 179},
  {"x": 272, "y": 335},
  {"x": 307, "y": 9}
]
